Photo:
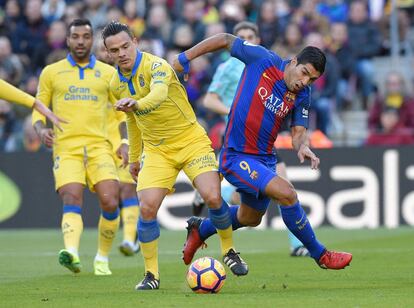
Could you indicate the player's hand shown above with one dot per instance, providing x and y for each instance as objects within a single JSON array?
[
  {"x": 306, "y": 153},
  {"x": 122, "y": 153},
  {"x": 134, "y": 170},
  {"x": 126, "y": 105},
  {"x": 182, "y": 66},
  {"x": 47, "y": 136},
  {"x": 49, "y": 114}
]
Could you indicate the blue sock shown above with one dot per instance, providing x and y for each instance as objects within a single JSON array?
[
  {"x": 293, "y": 240},
  {"x": 148, "y": 230},
  {"x": 296, "y": 220},
  {"x": 110, "y": 216},
  {"x": 207, "y": 229},
  {"x": 129, "y": 202}
]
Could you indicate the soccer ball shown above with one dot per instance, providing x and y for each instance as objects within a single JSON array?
[{"x": 206, "y": 275}]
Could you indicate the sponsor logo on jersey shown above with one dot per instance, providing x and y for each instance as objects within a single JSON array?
[
  {"x": 97, "y": 73},
  {"x": 248, "y": 44},
  {"x": 273, "y": 103},
  {"x": 159, "y": 74},
  {"x": 155, "y": 65},
  {"x": 79, "y": 94},
  {"x": 265, "y": 75}
]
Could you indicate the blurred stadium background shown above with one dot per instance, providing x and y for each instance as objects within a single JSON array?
[{"x": 362, "y": 114}]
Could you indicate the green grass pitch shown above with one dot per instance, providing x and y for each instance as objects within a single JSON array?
[{"x": 381, "y": 273}]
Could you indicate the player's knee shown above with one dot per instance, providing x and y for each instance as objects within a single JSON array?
[
  {"x": 128, "y": 191},
  {"x": 213, "y": 199},
  {"x": 147, "y": 211},
  {"x": 110, "y": 203},
  {"x": 71, "y": 198},
  {"x": 288, "y": 196}
]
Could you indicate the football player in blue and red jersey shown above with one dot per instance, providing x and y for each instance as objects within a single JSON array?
[{"x": 269, "y": 89}]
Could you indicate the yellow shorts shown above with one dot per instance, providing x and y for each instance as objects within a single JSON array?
[
  {"x": 123, "y": 173},
  {"x": 89, "y": 165},
  {"x": 161, "y": 165}
]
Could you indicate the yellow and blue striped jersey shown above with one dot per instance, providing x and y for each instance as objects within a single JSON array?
[
  {"x": 13, "y": 94},
  {"x": 164, "y": 114},
  {"x": 78, "y": 94}
]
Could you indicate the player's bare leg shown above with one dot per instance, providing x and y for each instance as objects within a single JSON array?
[
  {"x": 72, "y": 225},
  {"x": 208, "y": 185},
  {"x": 129, "y": 217},
  {"x": 295, "y": 219},
  {"x": 108, "y": 194},
  {"x": 148, "y": 234}
]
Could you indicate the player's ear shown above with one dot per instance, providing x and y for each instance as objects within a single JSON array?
[{"x": 294, "y": 61}]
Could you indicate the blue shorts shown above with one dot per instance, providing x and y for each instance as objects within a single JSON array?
[{"x": 250, "y": 174}]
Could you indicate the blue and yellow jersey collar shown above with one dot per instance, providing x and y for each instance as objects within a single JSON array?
[
  {"x": 133, "y": 73},
  {"x": 91, "y": 64}
]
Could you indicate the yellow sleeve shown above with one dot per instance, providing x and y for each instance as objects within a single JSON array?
[
  {"x": 13, "y": 94},
  {"x": 160, "y": 81},
  {"x": 44, "y": 94},
  {"x": 134, "y": 137}
]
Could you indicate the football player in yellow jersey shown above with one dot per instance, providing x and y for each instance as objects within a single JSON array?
[
  {"x": 78, "y": 89},
  {"x": 15, "y": 95},
  {"x": 164, "y": 138},
  {"x": 128, "y": 202}
]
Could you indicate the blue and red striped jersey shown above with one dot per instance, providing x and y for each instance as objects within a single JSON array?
[{"x": 262, "y": 101}]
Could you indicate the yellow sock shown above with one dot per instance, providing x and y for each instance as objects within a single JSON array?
[
  {"x": 226, "y": 239},
  {"x": 129, "y": 217},
  {"x": 150, "y": 253},
  {"x": 72, "y": 227},
  {"x": 106, "y": 233}
]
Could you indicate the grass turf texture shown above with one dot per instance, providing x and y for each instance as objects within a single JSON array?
[{"x": 381, "y": 273}]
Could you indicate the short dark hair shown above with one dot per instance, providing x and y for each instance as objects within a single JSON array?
[
  {"x": 113, "y": 28},
  {"x": 314, "y": 56},
  {"x": 246, "y": 25},
  {"x": 79, "y": 22}
]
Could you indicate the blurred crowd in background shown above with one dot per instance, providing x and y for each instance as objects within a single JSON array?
[{"x": 360, "y": 92}]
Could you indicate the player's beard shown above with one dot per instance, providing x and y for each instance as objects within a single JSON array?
[{"x": 82, "y": 55}]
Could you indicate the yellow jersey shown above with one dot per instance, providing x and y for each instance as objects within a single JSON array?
[
  {"x": 78, "y": 94},
  {"x": 164, "y": 115},
  {"x": 12, "y": 94}
]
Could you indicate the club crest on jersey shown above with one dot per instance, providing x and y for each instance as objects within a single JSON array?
[
  {"x": 97, "y": 73},
  {"x": 141, "y": 80},
  {"x": 290, "y": 97},
  {"x": 254, "y": 175},
  {"x": 155, "y": 65}
]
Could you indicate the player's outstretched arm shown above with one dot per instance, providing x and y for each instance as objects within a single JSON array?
[
  {"x": 214, "y": 43},
  {"x": 213, "y": 102},
  {"x": 49, "y": 114},
  {"x": 300, "y": 143}
]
